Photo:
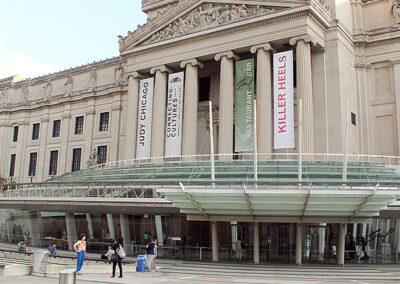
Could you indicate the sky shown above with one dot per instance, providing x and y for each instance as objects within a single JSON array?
[{"x": 38, "y": 37}]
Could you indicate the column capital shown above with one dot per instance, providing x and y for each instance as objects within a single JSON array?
[
  {"x": 395, "y": 61},
  {"x": 305, "y": 38},
  {"x": 229, "y": 54},
  {"x": 134, "y": 75},
  {"x": 266, "y": 46},
  {"x": 161, "y": 68},
  {"x": 193, "y": 62}
]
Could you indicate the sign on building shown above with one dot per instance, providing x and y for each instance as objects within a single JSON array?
[
  {"x": 283, "y": 100},
  {"x": 173, "y": 131},
  {"x": 145, "y": 117},
  {"x": 244, "y": 106}
]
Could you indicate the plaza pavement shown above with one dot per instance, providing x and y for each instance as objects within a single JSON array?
[{"x": 197, "y": 272}]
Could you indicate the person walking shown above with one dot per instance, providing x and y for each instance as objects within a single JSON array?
[
  {"x": 119, "y": 254},
  {"x": 239, "y": 250},
  {"x": 80, "y": 248},
  {"x": 151, "y": 253}
]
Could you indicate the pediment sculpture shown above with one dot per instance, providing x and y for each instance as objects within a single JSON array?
[
  {"x": 25, "y": 94},
  {"x": 69, "y": 84},
  {"x": 47, "y": 90},
  {"x": 4, "y": 97},
  {"x": 206, "y": 16},
  {"x": 396, "y": 13}
]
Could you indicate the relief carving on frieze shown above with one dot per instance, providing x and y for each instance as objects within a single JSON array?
[{"x": 206, "y": 16}]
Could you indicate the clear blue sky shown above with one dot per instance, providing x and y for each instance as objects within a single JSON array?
[{"x": 42, "y": 36}]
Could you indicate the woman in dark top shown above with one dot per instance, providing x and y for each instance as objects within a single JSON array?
[{"x": 116, "y": 259}]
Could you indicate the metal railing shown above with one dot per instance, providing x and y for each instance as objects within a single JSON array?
[
  {"x": 389, "y": 160},
  {"x": 148, "y": 189}
]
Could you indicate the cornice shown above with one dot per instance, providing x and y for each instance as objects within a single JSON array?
[
  {"x": 214, "y": 33},
  {"x": 65, "y": 73}
]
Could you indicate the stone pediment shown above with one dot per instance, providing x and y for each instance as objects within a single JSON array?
[{"x": 193, "y": 16}]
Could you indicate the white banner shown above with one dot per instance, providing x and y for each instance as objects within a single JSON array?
[
  {"x": 145, "y": 117},
  {"x": 173, "y": 131},
  {"x": 283, "y": 100}
]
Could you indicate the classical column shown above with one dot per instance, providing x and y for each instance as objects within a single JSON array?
[
  {"x": 340, "y": 248},
  {"x": 396, "y": 69},
  {"x": 115, "y": 127},
  {"x": 264, "y": 98},
  {"x": 304, "y": 89},
  {"x": 321, "y": 241},
  {"x": 110, "y": 221},
  {"x": 90, "y": 226},
  {"x": 21, "y": 156},
  {"x": 226, "y": 95},
  {"x": 132, "y": 115},
  {"x": 159, "y": 110},
  {"x": 126, "y": 233},
  {"x": 189, "y": 134},
  {"x": 159, "y": 230},
  {"x": 71, "y": 229},
  {"x": 214, "y": 241},
  {"x": 298, "y": 244},
  {"x": 64, "y": 138},
  {"x": 256, "y": 243}
]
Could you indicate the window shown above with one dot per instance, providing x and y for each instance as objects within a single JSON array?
[
  {"x": 35, "y": 131},
  {"x": 353, "y": 118},
  {"x": 104, "y": 121},
  {"x": 79, "y": 125},
  {"x": 15, "y": 137},
  {"x": 53, "y": 163},
  {"x": 56, "y": 128},
  {"x": 32, "y": 165},
  {"x": 76, "y": 159},
  {"x": 204, "y": 89},
  {"x": 101, "y": 154},
  {"x": 12, "y": 165}
]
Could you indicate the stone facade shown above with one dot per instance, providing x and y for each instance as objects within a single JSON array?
[{"x": 344, "y": 50}]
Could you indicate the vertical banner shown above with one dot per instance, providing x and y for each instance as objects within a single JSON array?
[
  {"x": 283, "y": 100},
  {"x": 244, "y": 106},
  {"x": 173, "y": 131},
  {"x": 145, "y": 118}
]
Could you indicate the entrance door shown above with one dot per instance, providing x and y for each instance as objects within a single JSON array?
[
  {"x": 275, "y": 243},
  {"x": 241, "y": 231}
]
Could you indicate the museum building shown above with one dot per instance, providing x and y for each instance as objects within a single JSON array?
[{"x": 276, "y": 123}]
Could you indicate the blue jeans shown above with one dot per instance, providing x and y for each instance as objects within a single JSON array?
[{"x": 80, "y": 259}]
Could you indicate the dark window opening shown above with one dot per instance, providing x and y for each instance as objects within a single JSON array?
[
  {"x": 104, "y": 121},
  {"x": 79, "y": 125},
  {"x": 56, "y": 128},
  {"x": 32, "y": 164},
  {"x": 12, "y": 165},
  {"x": 76, "y": 159},
  {"x": 15, "y": 136},
  {"x": 204, "y": 89},
  {"x": 353, "y": 118},
  {"x": 53, "y": 163},
  {"x": 35, "y": 131},
  {"x": 101, "y": 154}
]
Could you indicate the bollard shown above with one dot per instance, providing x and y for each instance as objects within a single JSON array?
[
  {"x": 67, "y": 276},
  {"x": 40, "y": 258}
]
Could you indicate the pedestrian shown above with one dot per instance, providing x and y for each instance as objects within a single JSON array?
[
  {"x": 108, "y": 254},
  {"x": 151, "y": 253},
  {"x": 52, "y": 249},
  {"x": 119, "y": 254},
  {"x": 362, "y": 242},
  {"x": 239, "y": 250},
  {"x": 80, "y": 248}
]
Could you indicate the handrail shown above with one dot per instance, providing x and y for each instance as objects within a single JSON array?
[{"x": 250, "y": 156}]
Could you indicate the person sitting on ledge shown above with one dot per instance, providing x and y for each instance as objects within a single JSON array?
[
  {"x": 21, "y": 247},
  {"x": 52, "y": 249}
]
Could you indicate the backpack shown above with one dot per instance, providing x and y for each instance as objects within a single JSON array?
[{"x": 121, "y": 252}]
